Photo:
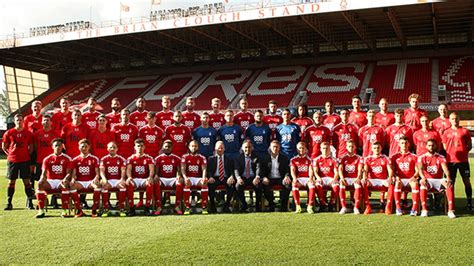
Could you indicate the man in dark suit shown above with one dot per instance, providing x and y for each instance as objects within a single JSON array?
[
  {"x": 247, "y": 172},
  {"x": 276, "y": 172},
  {"x": 220, "y": 172}
]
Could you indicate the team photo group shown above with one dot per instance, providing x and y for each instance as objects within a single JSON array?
[{"x": 143, "y": 157}]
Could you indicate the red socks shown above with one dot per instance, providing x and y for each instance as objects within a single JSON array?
[
  {"x": 105, "y": 199},
  {"x": 41, "y": 197},
  {"x": 130, "y": 191},
  {"x": 179, "y": 194},
  {"x": 296, "y": 195},
  {"x": 157, "y": 194},
  {"x": 187, "y": 195},
  {"x": 75, "y": 197},
  {"x": 149, "y": 195}
]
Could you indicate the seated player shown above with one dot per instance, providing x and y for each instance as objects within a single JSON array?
[
  {"x": 193, "y": 168},
  {"x": 168, "y": 175},
  {"x": 326, "y": 175},
  {"x": 85, "y": 174},
  {"x": 140, "y": 172},
  {"x": 56, "y": 175},
  {"x": 302, "y": 176},
  {"x": 378, "y": 176},
  {"x": 405, "y": 171},
  {"x": 112, "y": 173},
  {"x": 432, "y": 166},
  {"x": 350, "y": 171}
]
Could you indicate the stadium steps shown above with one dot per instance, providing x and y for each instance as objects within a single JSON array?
[
  {"x": 298, "y": 97},
  {"x": 234, "y": 103},
  {"x": 435, "y": 81}
]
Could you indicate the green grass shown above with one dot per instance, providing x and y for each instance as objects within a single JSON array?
[{"x": 263, "y": 238}]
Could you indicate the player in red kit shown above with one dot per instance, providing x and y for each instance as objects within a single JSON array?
[
  {"x": 405, "y": 171},
  {"x": 397, "y": 130},
  {"x": 125, "y": 134},
  {"x": 63, "y": 117},
  {"x": 194, "y": 170},
  {"x": 164, "y": 118},
  {"x": 413, "y": 114},
  {"x": 370, "y": 133},
  {"x": 330, "y": 118},
  {"x": 17, "y": 143},
  {"x": 216, "y": 118},
  {"x": 316, "y": 134},
  {"x": 326, "y": 173},
  {"x": 179, "y": 134},
  {"x": 302, "y": 119},
  {"x": 384, "y": 118},
  {"x": 343, "y": 132},
  {"x": 73, "y": 132},
  {"x": 100, "y": 137},
  {"x": 423, "y": 134},
  {"x": 85, "y": 174},
  {"x": 112, "y": 169},
  {"x": 357, "y": 117},
  {"x": 432, "y": 166},
  {"x": 56, "y": 175},
  {"x": 457, "y": 143},
  {"x": 152, "y": 135},
  {"x": 378, "y": 176},
  {"x": 190, "y": 118},
  {"x": 113, "y": 117},
  {"x": 32, "y": 122},
  {"x": 140, "y": 173},
  {"x": 350, "y": 173},
  {"x": 42, "y": 145},
  {"x": 90, "y": 116},
  {"x": 168, "y": 175},
  {"x": 441, "y": 123},
  {"x": 138, "y": 117},
  {"x": 272, "y": 119},
  {"x": 302, "y": 176},
  {"x": 244, "y": 118}
]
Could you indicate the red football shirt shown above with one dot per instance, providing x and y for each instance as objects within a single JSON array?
[
  {"x": 359, "y": 119},
  {"x": 313, "y": 136},
  {"x": 420, "y": 137},
  {"x": 404, "y": 165},
  {"x": 18, "y": 142},
  {"x": 441, "y": 124},
  {"x": 432, "y": 165},
  {"x": 140, "y": 165},
  {"x": 32, "y": 123},
  {"x": 216, "y": 120},
  {"x": 412, "y": 117},
  {"x": 85, "y": 167},
  {"x": 72, "y": 134},
  {"x": 331, "y": 120},
  {"x": 99, "y": 141},
  {"x": 164, "y": 119},
  {"x": 377, "y": 166},
  {"x": 272, "y": 121},
  {"x": 302, "y": 122},
  {"x": 57, "y": 166},
  {"x": 384, "y": 120},
  {"x": 90, "y": 119},
  {"x": 327, "y": 166},
  {"x": 368, "y": 135},
  {"x": 457, "y": 142},
  {"x": 153, "y": 137},
  {"x": 194, "y": 164},
  {"x": 350, "y": 165},
  {"x": 393, "y": 133},
  {"x": 112, "y": 166},
  {"x": 191, "y": 120},
  {"x": 341, "y": 134},
  {"x": 59, "y": 120},
  {"x": 301, "y": 165},
  {"x": 138, "y": 118},
  {"x": 42, "y": 140},
  {"x": 167, "y": 165},
  {"x": 125, "y": 136},
  {"x": 180, "y": 135},
  {"x": 244, "y": 119},
  {"x": 112, "y": 119}
]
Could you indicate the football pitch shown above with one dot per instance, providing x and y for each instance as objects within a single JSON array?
[{"x": 254, "y": 238}]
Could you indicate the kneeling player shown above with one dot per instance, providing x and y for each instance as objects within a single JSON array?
[
  {"x": 168, "y": 175},
  {"x": 112, "y": 173},
  {"x": 85, "y": 174},
  {"x": 378, "y": 176},
  {"x": 326, "y": 175},
  {"x": 406, "y": 176},
  {"x": 302, "y": 175},
  {"x": 350, "y": 171},
  {"x": 193, "y": 168},
  {"x": 432, "y": 166},
  {"x": 140, "y": 172}
]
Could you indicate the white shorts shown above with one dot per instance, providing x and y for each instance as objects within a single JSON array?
[
  {"x": 139, "y": 182},
  {"x": 168, "y": 182},
  {"x": 303, "y": 181},
  {"x": 113, "y": 182},
  {"x": 436, "y": 183},
  {"x": 54, "y": 183},
  {"x": 405, "y": 182},
  {"x": 85, "y": 184},
  {"x": 378, "y": 182},
  {"x": 350, "y": 182},
  {"x": 194, "y": 181},
  {"x": 328, "y": 181}
]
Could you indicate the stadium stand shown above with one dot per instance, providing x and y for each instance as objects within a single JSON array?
[{"x": 457, "y": 74}]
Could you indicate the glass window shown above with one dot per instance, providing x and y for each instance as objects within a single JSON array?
[{"x": 9, "y": 70}]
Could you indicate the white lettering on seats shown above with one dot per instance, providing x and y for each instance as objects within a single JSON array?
[
  {"x": 227, "y": 85},
  {"x": 288, "y": 82},
  {"x": 352, "y": 81},
  {"x": 153, "y": 93}
]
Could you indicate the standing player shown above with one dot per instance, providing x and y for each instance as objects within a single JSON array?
[
  {"x": 432, "y": 166},
  {"x": 90, "y": 116},
  {"x": 405, "y": 171},
  {"x": 164, "y": 118},
  {"x": 139, "y": 116},
  {"x": 302, "y": 120},
  {"x": 288, "y": 134},
  {"x": 441, "y": 123},
  {"x": 190, "y": 118},
  {"x": 194, "y": 170},
  {"x": 101, "y": 137},
  {"x": 179, "y": 134},
  {"x": 272, "y": 119},
  {"x": 350, "y": 173},
  {"x": 370, "y": 133},
  {"x": 259, "y": 134},
  {"x": 73, "y": 132},
  {"x": 423, "y": 134},
  {"x": 63, "y": 117},
  {"x": 414, "y": 113},
  {"x": 342, "y": 133},
  {"x": 113, "y": 117},
  {"x": 56, "y": 175},
  {"x": 457, "y": 143},
  {"x": 244, "y": 118},
  {"x": 357, "y": 117},
  {"x": 216, "y": 118},
  {"x": 17, "y": 143},
  {"x": 42, "y": 145},
  {"x": 125, "y": 134},
  {"x": 302, "y": 176},
  {"x": 326, "y": 175},
  {"x": 112, "y": 172},
  {"x": 32, "y": 122},
  {"x": 206, "y": 136},
  {"x": 394, "y": 132},
  {"x": 330, "y": 119},
  {"x": 152, "y": 135},
  {"x": 316, "y": 134},
  {"x": 231, "y": 135},
  {"x": 140, "y": 172},
  {"x": 384, "y": 118}
]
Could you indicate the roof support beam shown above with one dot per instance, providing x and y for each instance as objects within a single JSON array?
[
  {"x": 78, "y": 52},
  {"x": 185, "y": 39},
  {"x": 127, "y": 47},
  {"x": 434, "y": 14},
  {"x": 156, "y": 43},
  {"x": 4, "y": 60},
  {"x": 209, "y": 35},
  {"x": 323, "y": 29},
  {"x": 92, "y": 47},
  {"x": 392, "y": 16},
  {"x": 252, "y": 36},
  {"x": 360, "y": 28}
]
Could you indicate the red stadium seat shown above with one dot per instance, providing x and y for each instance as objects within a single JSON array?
[{"x": 457, "y": 74}]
